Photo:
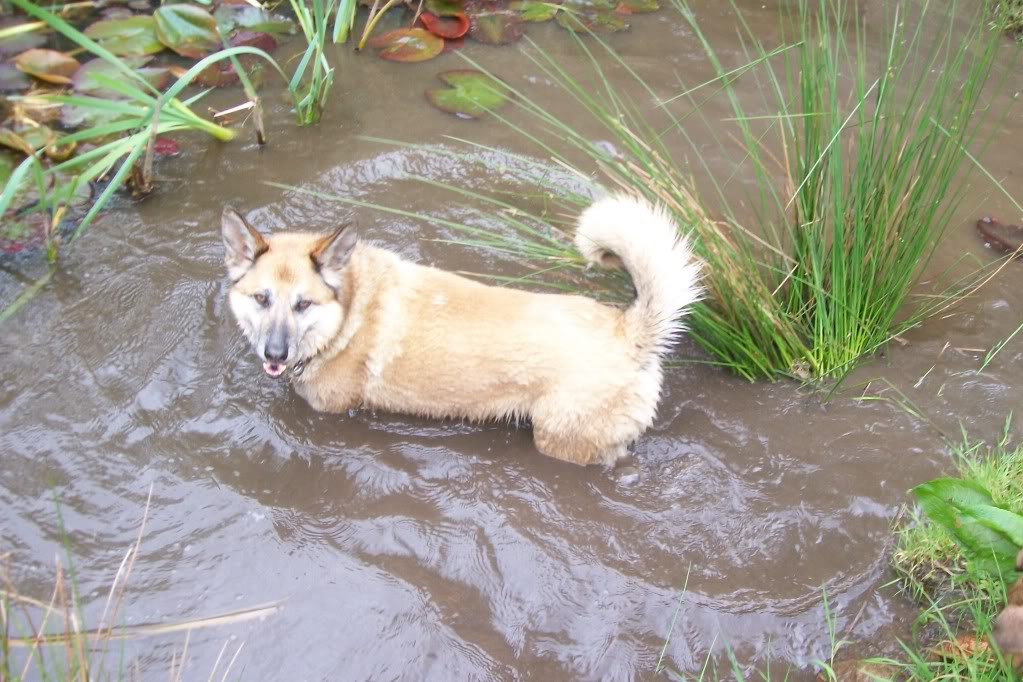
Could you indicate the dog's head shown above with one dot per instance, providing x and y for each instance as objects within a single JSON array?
[{"x": 285, "y": 290}]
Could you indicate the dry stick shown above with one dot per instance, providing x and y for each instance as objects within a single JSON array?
[
  {"x": 48, "y": 609},
  {"x": 147, "y": 164},
  {"x": 231, "y": 664}
]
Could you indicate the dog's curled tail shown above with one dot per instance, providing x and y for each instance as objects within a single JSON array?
[{"x": 647, "y": 242}]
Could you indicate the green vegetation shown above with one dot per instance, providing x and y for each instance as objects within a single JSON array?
[
  {"x": 927, "y": 557},
  {"x": 872, "y": 161},
  {"x": 1009, "y": 17},
  {"x": 50, "y": 640},
  {"x": 312, "y": 96}
]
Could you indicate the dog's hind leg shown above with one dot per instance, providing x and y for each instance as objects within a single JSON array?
[{"x": 573, "y": 447}]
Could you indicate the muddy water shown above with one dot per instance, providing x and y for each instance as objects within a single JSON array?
[{"x": 405, "y": 548}]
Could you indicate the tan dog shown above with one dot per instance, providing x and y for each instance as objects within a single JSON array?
[{"x": 355, "y": 325}]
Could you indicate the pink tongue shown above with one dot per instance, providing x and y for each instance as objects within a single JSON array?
[{"x": 274, "y": 369}]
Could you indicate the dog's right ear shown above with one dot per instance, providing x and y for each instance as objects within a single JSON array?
[{"x": 243, "y": 244}]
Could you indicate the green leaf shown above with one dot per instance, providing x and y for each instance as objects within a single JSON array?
[
  {"x": 188, "y": 30},
  {"x": 444, "y": 8},
  {"x": 472, "y": 93},
  {"x": 230, "y": 17},
  {"x": 87, "y": 78},
  {"x": 132, "y": 36},
  {"x": 591, "y": 21},
  {"x": 496, "y": 27},
  {"x": 990, "y": 535},
  {"x": 530, "y": 10},
  {"x": 408, "y": 45},
  {"x": 639, "y": 6}
]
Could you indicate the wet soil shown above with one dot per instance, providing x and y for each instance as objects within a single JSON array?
[{"x": 414, "y": 549}]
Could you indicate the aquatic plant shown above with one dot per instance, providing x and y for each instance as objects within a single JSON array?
[
  {"x": 871, "y": 161},
  {"x": 50, "y": 639},
  {"x": 1008, "y": 17},
  {"x": 126, "y": 126},
  {"x": 313, "y": 76}
]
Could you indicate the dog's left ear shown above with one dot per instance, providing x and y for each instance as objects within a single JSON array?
[
  {"x": 332, "y": 252},
  {"x": 243, "y": 244}
]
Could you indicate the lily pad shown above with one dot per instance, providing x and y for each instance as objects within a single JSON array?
[
  {"x": 26, "y": 138},
  {"x": 449, "y": 26},
  {"x": 597, "y": 21},
  {"x": 19, "y": 42},
  {"x": 408, "y": 45},
  {"x": 264, "y": 41},
  {"x": 188, "y": 30},
  {"x": 471, "y": 93},
  {"x": 47, "y": 65},
  {"x": 85, "y": 80},
  {"x": 495, "y": 27},
  {"x": 12, "y": 80},
  {"x": 445, "y": 8},
  {"x": 533, "y": 11},
  {"x": 132, "y": 36},
  {"x": 230, "y": 17},
  {"x": 76, "y": 116},
  {"x": 637, "y": 6}
]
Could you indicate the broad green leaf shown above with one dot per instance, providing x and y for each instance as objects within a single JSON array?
[
  {"x": 230, "y": 17},
  {"x": 495, "y": 27},
  {"x": 408, "y": 45},
  {"x": 989, "y": 535},
  {"x": 132, "y": 36},
  {"x": 444, "y": 8},
  {"x": 85, "y": 79},
  {"x": 591, "y": 21},
  {"x": 188, "y": 30},
  {"x": 530, "y": 10},
  {"x": 472, "y": 93}
]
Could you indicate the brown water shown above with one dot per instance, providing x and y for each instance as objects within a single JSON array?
[{"x": 405, "y": 548}]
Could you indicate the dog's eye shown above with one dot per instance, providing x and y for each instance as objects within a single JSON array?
[
  {"x": 302, "y": 305},
  {"x": 261, "y": 299}
]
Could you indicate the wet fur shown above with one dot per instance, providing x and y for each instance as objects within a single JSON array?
[{"x": 393, "y": 335}]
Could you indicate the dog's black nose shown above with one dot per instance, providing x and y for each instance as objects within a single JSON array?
[{"x": 275, "y": 353}]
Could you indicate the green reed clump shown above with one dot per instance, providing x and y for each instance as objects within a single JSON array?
[
  {"x": 871, "y": 160},
  {"x": 1008, "y": 17},
  {"x": 317, "y": 74}
]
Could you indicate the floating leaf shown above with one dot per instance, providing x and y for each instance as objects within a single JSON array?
[
  {"x": 230, "y": 17},
  {"x": 132, "y": 36},
  {"x": 472, "y": 93},
  {"x": 12, "y": 80},
  {"x": 530, "y": 10},
  {"x": 597, "y": 21},
  {"x": 495, "y": 27},
  {"x": 78, "y": 116},
  {"x": 85, "y": 80},
  {"x": 263, "y": 41},
  {"x": 445, "y": 8},
  {"x": 188, "y": 30},
  {"x": 1002, "y": 236},
  {"x": 19, "y": 42},
  {"x": 25, "y": 137},
  {"x": 47, "y": 65},
  {"x": 408, "y": 45},
  {"x": 637, "y": 6},
  {"x": 450, "y": 26}
]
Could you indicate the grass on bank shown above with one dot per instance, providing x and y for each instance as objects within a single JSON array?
[
  {"x": 1008, "y": 17},
  {"x": 870, "y": 159}
]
